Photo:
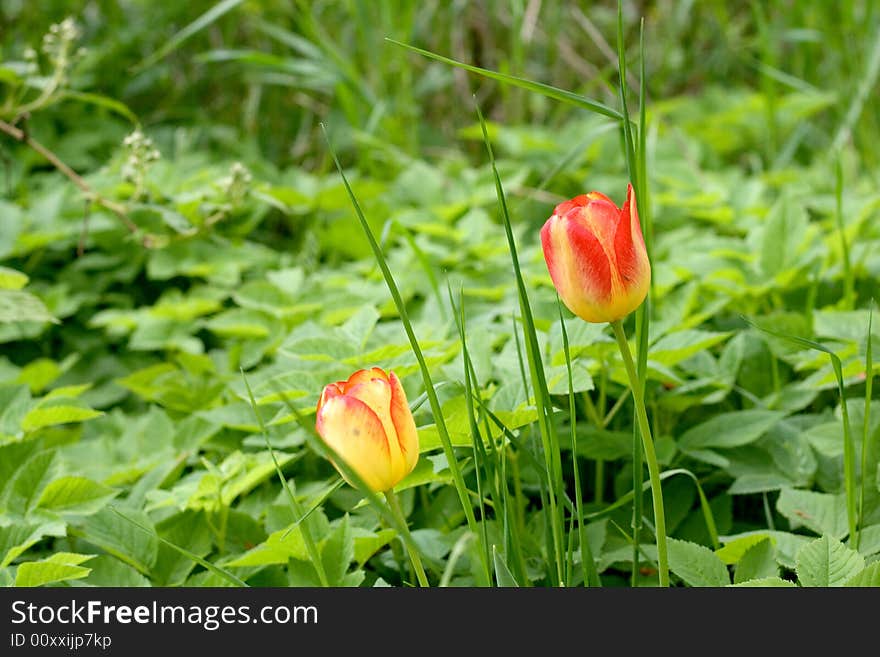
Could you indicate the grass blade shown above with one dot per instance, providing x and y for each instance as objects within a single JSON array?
[
  {"x": 848, "y": 445},
  {"x": 537, "y": 87},
  {"x": 549, "y": 439},
  {"x": 477, "y": 438},
  {"x": 308, "y": 540},
  {"x": 190, "y": 555},
  {"x": 591, "y": 577},
  {"x": 198, "y": 24},
  {"x": 848, "y": 281},
  {"x": 866, "y": 423}
]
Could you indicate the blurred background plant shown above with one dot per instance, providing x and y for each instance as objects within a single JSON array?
[{"x": 271, "y": 71}]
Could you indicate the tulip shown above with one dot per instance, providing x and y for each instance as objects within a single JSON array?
[
  {"x": 598, "y": 262},
  {"x": 596, "y": 256},
  {"x": 367, "y": 422}
]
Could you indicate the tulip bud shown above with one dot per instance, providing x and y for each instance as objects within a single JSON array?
[
  {"x": 596, "y": 256},
  {"x": 367, "y": 421}
]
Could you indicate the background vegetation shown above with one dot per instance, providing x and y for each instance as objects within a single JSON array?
[{"x": 220, "y": 238}]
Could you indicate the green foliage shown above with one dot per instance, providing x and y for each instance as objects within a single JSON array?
[{"x": 213, "y": 236}]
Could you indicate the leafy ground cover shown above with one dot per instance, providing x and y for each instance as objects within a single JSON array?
[{"x": 168, "y": 322}]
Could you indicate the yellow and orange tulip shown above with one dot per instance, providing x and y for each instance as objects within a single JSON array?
[
  {"x": 367, "y": 421},
  {"x": 596, "y": 256}
]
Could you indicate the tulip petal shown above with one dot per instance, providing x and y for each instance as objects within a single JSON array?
[
  {"x": 629, "y": 245},
  {"x": 354, "y": 431},
  {"x": 578, "y": 265},
  {"x": 330, "y": 390},
  {"x": 362, "y": 376},
  {"x": 600, "y": 217},
  {"x": 404, "y": 424},
  {"x": 376, "y": 393},
  {"x": 591, "y": 258},
  {"x": 580, "y": 201}
]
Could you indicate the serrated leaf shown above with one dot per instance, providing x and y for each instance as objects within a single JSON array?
[
  {"x": 189, "y": 529},
  {"x": 48, "y": 416},
  {"x": 824, "y": 513},
  {"x": 827, "y": 562},
  {"x": 696, "y": 564},
  {"x": 729, "y": 430},
  {"x": 733, "y": 551},
  {"x": 122, "y": 538},
  {"x": 337, "y": 552},
  {"x": 767, "y": 582},
  {"x": 21, "y": 492},
  {"x": 60, "y": 567},
  {"x": 758, "y": 562},
  {"x": 74, "y": 494},
  {"x": 16, "y": 538},
  {"x": 870, "y": 576},
  {"x": 109, "y": 571},
  {"x": 279, "y": 547},
  {"x": 366, "y": 544}
]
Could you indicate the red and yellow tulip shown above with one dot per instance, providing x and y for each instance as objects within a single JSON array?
[
  {"x": 596, "y": 256},
  {"x": 367, "y": 421}
]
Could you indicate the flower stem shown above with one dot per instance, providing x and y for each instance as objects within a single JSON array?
[
  {"x": 394, "y": 505},
  {"x": 650, "y": 454}
]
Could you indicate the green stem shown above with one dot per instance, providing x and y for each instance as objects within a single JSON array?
[
  {"x": 648, "y": 445},
  {"x": 394, "y": 505}
]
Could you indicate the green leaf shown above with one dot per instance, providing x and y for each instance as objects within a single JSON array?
[
  {"x": 337, "y": 552},
  {"x": 765, "y": 582},
  {"x": 827, "y": 562},
  {"x": 870, "y": 576},
  {"x": 48, "y": 416},
  {"x": 822, "y": 512},
  {"x": 784, "y": 231},
  {"x": 39, "y": 373},
  {"x": 75, "y": 495},
  {"x": 734, "y": 550},
  {"x": 60, "y": 567},
  {"x": 10, "y": 279},
  {"x": 729, "y": 430},
  {"x": 187, "y": 528},
  {"x": 758, "y": 562},
  {"x": 675, "y": 347},
  {"x": 23, "y": 489},
  {"x": 16, "y": 538},
  {"x": 121, "y": 537},
  {"x": 109, "y": 571},
  {"x": 279, "y": 547},
  {"x": 111, "y": 104},
  {"x": 696, "y": 564},
  {"x": 367, "y": 543},
  {"x": 15, "y": 401},
  {"x": 240, "y": 323},
  {"x": 21, "y": 306}
]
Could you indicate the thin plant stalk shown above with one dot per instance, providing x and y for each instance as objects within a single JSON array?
[
  {"x": 866, "y": 426},
  {"x": 415, "y": 559},
  {"x": 591, "y": 577},
  {"x": 650, "y": 454}
]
